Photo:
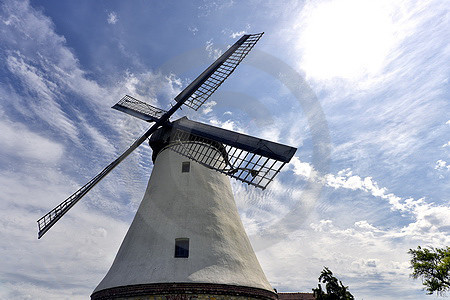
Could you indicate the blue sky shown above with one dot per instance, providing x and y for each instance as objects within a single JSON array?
[{"x": 360, "y": 87}]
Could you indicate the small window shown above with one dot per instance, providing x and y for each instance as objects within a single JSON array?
[
  {"x": 182, "y": 247},
  {"x": 185, "y": 167}
]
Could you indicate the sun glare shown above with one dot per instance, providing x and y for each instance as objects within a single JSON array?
[{"x": 346, "y": 38}]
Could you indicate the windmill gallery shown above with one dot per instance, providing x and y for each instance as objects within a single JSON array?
[{"x": 187, "y": 239}]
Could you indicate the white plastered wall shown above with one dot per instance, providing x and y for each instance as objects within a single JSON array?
[{"x": 198, "y": 205}]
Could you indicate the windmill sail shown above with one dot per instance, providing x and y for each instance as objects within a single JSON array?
[
  {"x": 207, "y": 83},
  {"x": 252, "y": 160},
  {"x": 212, "y": 78},
  {"x": 139, "y": 109},
  {"x": 50, "y": 218}
]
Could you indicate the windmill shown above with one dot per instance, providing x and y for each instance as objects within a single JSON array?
[{"x": 187, "y": 237}]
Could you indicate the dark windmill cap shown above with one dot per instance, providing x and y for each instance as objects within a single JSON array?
[{"x": 181, "y": 130}]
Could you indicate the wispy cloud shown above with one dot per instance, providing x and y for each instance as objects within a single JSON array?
[
  {"x": 18, "y": 141},
  {"x": 234, "y": 35},
  {"x": 208, "y": 107},
  {"x": 441, "y": 165},
  {"x": 212, "y": 52},
  {"x": 22, "y": 204},
  {"x": 46, "y": 91},
  {"x": 345, "y": 179},
  {"x": 193, "y": 29},
  {"x": 212, "y": 6},
  {"x": 112, "y": 18},
  {"x": 99, "y": 140}
]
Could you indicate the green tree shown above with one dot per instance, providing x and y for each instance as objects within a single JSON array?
[
  {"x": 433, "y": 266},
  {"x": 335, "y": 290}
]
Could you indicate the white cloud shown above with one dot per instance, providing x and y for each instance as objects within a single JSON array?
[
  {"x": 28, "y": 190},
  {"x": 209, "y": 7},
  {"x": 345, "y": 179},
  {"x": 322, "y": 225},
  {"x": 45, "y": 106},
  {"x": 441, "y": 165},
  {"x": 147, "y": 86},
  {"x": 18, "y": 141},
  {"x": 365, "y": 225},
  {"x": 212, "y": 52},
  {"x": 208, "y": 107},
  {"x": 234, "y": 35},
  {"x": 193, "y": 29},
  {"x": 228, "y": 124},
  {"x": 99, "y": 139},
  {"x": 301, "y": 168},
  {"x": 67, "y": 270},
  {"x": 112, "y": 18}
]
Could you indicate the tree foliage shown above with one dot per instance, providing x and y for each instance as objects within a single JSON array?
[
  {"x": 433, "y": 266},
  {"x": 335, "y": 290}
]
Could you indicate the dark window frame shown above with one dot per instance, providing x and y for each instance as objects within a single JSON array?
[
  {"x": 185, "y": 167},
  {"x": 181, "y": 248}
]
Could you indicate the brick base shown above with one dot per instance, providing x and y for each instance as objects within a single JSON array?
[{"x": 183, "y": 291}]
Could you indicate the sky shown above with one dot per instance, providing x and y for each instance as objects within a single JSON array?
[{"x": 359, "y": 87}]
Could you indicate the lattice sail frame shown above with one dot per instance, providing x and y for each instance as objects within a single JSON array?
[
  {"x": 139, "y": 109},
  {"x": 248, "y": 167},
  {"x": 50, "y": 218},
  {"x": 219, "y": 71}
]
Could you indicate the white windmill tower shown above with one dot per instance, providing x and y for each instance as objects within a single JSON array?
[{"x": 187, "y": 240}]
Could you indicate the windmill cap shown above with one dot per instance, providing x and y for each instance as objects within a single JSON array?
[{"x": 167, "y": 135}]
